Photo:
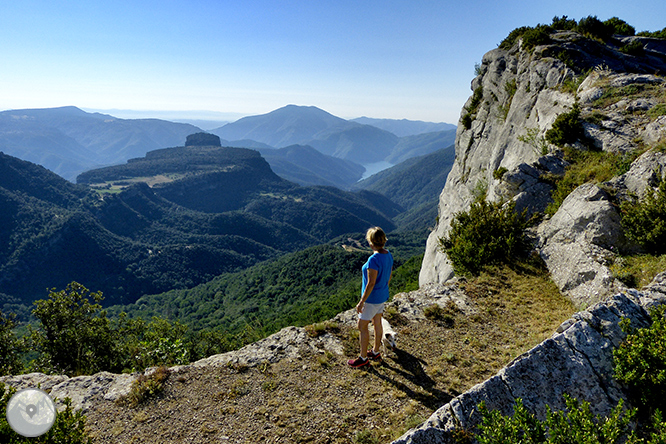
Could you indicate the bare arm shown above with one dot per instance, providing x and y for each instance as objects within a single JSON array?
[{"x": 372, "y": 280}]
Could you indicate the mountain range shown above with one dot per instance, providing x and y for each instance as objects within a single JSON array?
[{"x": 69, "y": 141}]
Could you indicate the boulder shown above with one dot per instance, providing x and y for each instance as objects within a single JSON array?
[{"x": 577, "y": 245}]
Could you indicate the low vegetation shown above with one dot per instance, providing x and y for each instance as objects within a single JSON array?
[
  {"x": 586, "y": 166},
  {"x": 146, "y": 387},
  {"x": 473, "y": 108},
  {"x": 68, "y": 428},
  {"x": 644, "y": 221},
  {"x": 589, "y": 26}
]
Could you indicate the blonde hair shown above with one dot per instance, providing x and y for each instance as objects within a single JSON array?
[{"x": 376, "y": 237}]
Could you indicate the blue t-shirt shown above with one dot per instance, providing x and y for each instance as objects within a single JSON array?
[{"x": 383, "y": 263}]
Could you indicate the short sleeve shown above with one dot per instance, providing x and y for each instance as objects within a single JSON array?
[{"x": 373, "y": 262}]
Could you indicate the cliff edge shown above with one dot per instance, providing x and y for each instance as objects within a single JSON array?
[{"x": 502, "y": 150}]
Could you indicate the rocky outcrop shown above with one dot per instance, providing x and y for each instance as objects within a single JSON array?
[
  {"x": 577, "y": 245},
  {"x": 291, "y": 343},
  {"x": 502, "y": 152},
  {"x": 576, "y": 360}
]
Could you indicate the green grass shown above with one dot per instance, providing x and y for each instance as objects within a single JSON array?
[
  {"x": 588, "y": 166},
  {"x": 638, "y": 270}
]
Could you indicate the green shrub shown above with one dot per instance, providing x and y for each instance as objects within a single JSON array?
[
  {"x": 655, "y": 34},
  {"x": 644, "y": 222},
  {"x": 657, "y": 111},
  {"x": 619, "y": 26},
  {"x": 567, "y": 128},
  {"x": 10, "y": 346},
  {"x": 539, "y": 35},
  {"x": 640, "y": 361},
  {"x": 75, "y": 335},
  {"x": 592, "y": 27},
  {"x": 563, "y": 23},
  {"x": 535, "y": 37},
  {"x": 140, "y": 344},
  {"x": 146, "y": 387},
  {"x": 488, "y": 233},
  {"x": 470, "y": 115},
  {"x": 587, "y": 166},
  {"x": 68, "y": 428},
  {"x": 498, "y": 174},
  {"x": 575, "y": 424},
  {"x": 634, "y": 48},
  {"x": 513, "y": 37}
]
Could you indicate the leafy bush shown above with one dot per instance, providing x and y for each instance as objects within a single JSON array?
[
  {"x": 68, "y": 428},
  {"x": 644, "y": 222},
  {"x": 75, "y": 336},
  {"x": 564, "y": 23},
  {"x": 619, "y": 26},
  {"x": 576, "y": 424},
  {"x": 489, "y": 233},
  {"x": 640, "y": 361},
  {"x": 634, "y": 48},
  {"x": 10, "y": 347},
  {"x": 591, "y": 26},
  {"x": 535, "y": 37},
  {"x": 567, "y": 128},
  {"x": 469, "y": 116},
  {"x": 140, "y": 344},
  {"x": 655, "y": 34},
  {"x": 587, "y": 166},
  {"x": 513, "y": 37},
  {"x": 539, "y": 35}
]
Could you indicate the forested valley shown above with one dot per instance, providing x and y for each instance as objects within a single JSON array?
[{"x": 191, "y": 251}]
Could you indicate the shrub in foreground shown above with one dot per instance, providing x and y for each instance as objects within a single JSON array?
[{"x": 68, "y": 428}]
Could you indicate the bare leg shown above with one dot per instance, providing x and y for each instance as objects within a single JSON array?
[
  {"x": 379, "y": 331},
  {"x": 364, "y": 337}
]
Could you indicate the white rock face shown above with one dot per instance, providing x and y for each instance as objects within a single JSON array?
[
  {"x": 576, "y": 245},
  {"x": 507, "y": 134}
]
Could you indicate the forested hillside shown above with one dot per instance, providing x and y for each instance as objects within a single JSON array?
[
  {"x": 296, "y": 289},
  {"x": 210, "y": 210},
  {"x": 415, "y": 185}
]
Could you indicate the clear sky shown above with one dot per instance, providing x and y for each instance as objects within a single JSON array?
[{"x": 410, "y": 59}]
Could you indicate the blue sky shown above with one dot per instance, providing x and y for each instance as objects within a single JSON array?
[{"x": 384, "y": 59}]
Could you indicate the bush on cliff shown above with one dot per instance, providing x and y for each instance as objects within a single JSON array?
[
  {"x": 644, "y": 222},
  {"x": 488, "y": 233},
  {"x": 640, "y": 362},
  {"x": 574, "y": 424}
]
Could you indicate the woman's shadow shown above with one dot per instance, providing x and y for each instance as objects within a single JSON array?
[{"x": 412, "y": 369}]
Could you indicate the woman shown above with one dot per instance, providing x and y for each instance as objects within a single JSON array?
[{"x": 374, "y": 294}]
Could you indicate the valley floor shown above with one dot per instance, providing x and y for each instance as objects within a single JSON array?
[{"x": 318, "y": 399}]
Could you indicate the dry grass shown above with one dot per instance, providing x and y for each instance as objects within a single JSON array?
[{"x": 318, "y": 399}]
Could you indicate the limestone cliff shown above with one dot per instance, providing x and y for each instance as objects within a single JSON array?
[{"x": 501, "y": 149}]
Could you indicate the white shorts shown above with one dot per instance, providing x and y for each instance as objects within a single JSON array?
[{"x": 370, "y": 311}]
